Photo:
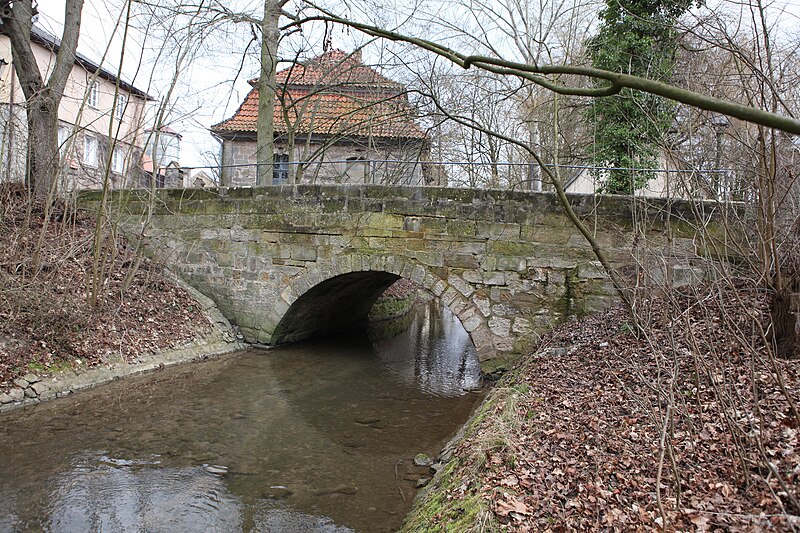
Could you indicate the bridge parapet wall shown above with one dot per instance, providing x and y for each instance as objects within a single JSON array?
[{"x": 509, "y": 264}]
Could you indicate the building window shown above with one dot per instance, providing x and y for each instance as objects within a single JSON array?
[
  {"x": 90, "y": 151},
  {"x": 91, "y": 95},
  {"x": 122, "y": 101},
  {"x": 118, "y": 161},
  {"x": 280, "y": 169}
]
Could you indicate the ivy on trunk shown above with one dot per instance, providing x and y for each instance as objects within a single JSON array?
[{"x": 636, "y": 37}]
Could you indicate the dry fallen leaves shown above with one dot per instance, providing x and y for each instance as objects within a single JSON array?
[
  {"x": 46, "y": 318},
  {"x": 582, "y": 446}
]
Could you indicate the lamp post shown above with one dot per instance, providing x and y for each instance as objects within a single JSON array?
[{"x": 720, "y": 123}]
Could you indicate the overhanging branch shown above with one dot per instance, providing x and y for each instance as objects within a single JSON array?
[{"x": 536, "y": 74}]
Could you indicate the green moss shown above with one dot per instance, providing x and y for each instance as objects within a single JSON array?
[
  {"x": 513, "y": 248},
  {"x": 500, "y": 364},
  {"x": 386, "y": 308},
  {"x": 36, "y": 366},
  {"x": 435, "y": 509}
]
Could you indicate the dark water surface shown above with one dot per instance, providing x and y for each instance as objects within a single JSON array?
[{"x": 318, "y": 436}]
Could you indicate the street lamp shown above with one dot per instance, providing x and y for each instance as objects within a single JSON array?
[{"x": 720, "y": 123}]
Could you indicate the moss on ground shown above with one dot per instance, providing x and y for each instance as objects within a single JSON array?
[{"x": 452, "y": 502}]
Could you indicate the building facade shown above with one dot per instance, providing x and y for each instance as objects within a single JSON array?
[
  {"x": 100, "y": 131},
  {"x": 336, "y": 121}
]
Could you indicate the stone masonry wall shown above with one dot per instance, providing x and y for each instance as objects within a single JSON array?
[{"x": 508, "y": 264}]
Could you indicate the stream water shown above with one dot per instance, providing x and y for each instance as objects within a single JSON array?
[{"x": 318, "y": 436}]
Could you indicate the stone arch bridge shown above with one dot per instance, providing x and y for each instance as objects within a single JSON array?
[{"x": 285, "y": 263}]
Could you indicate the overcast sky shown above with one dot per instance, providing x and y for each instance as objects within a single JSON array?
[{"x": 214, "y": 82}]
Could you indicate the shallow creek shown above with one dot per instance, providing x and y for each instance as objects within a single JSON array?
[{"x": 318, "y": 436}]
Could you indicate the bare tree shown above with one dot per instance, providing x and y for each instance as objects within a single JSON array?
[
  {"x": 43, "y": 97},
  {"x": 267, "y": 88}
]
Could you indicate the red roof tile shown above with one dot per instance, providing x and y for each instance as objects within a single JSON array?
[
  {"x": 335, "y": 68},
  {"x": 333, "y": 94}
]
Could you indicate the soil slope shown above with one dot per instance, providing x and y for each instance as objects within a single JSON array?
[
  {"x": 692, "y": 426},
  {"x": 46, "y": 275}
]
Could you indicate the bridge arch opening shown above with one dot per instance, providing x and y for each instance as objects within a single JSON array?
[
  {"x": 338, "y": 304},
  {"x": 320, "y": 304}
]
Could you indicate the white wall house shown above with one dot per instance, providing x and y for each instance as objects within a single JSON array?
[{"x": 100, "y": 135}]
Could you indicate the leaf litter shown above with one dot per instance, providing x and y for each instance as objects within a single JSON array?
[{"x": 690, "y": 427}]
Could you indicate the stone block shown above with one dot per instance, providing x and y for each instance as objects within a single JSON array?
[
  {"x": 429, "y": 281},
  {"x": 31, "y": 378},
  {"x": 377, "y": 263},
  {"x": 377, "y": 243},
  {"x": 430, "y": 258},
  {"x": 513, "y": 248},
  {"x": 494, "y": 278},
  {"x": 522, "y": 326},
  {"x": 461, "y": 260},
  {"x": 40, "y": 388},
  {"x": 458, "y": 247},
  {"x": 514, "y": 264},
  {"x": 239, "y": 234},
  {"x": 472, "y": 276},
  {"x": 557, "y": 277},
  {"x": 448, "y": 296},
  {"x": 489, "y": 263},
  {"x": 592, "y": 270},
  {"x": 503, "y": 344},
  {"x": 502, "y": 309},
  {"x": 418, "y": 275},
  {"x": 547, "y": 234},
  {"x": 472, "y": 323},
  {"x": 498, "y": 230},
  {"x": 301, "y": 252},
  {"x": 483, "y": 305},
  {"x": 461, "y": 228},
  {"x": 16, "y": 394},
  {"x": 460, "y": 285},
  {"x": 376, "y": 232},
  {"x": 500, "y": 327},
  {"x": 210, "y": 234},
  {"x": 458, "y": 305},
  {"x": 438, "y": 288}
]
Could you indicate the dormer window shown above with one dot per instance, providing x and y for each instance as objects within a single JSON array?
[{"x": 91, "y": 95}]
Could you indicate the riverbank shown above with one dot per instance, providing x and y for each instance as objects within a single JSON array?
[
  {"x": 690, "y": 427},
  {"x": 71, "y": 317}
]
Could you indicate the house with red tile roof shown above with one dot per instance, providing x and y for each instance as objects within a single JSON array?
[{"x": 337, "y": 120}]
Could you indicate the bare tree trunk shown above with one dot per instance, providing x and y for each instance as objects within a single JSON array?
[
  {"x": 784, "y": 323},
  {"x": 16, "y": 20},
  {"x": 270, "y": 35},
  {"x": 43, "y": 156}
]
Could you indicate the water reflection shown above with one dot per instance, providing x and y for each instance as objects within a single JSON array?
[
  {"x": 104, "y": 497},
  {"x": 311, "y": 437},
  {"x": 442, "y": 358}
]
